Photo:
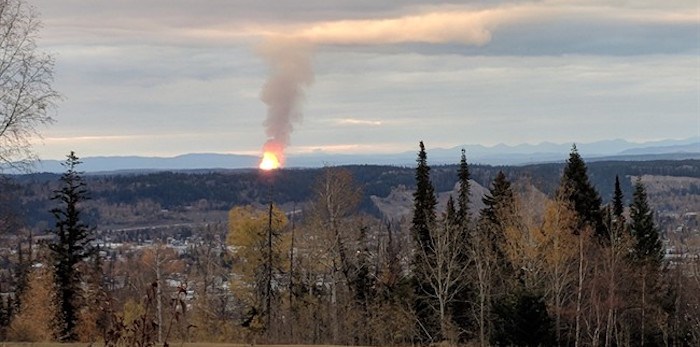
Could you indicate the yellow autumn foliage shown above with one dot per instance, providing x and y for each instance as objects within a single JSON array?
[
  {"x": 35, "y": 320},
  {"x": 248, "y": 239}
]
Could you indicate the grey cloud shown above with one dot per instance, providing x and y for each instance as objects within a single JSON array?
[
  {"x": 164, "y": 70},
  {"x": 516, "y": 27}
]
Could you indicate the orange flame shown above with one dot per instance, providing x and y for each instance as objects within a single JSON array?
[{"x": 269, "y": 161}]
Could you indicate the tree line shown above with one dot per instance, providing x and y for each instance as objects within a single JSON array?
[{"x": 127, "y": 198}]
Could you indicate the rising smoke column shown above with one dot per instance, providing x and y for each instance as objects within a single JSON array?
[
  {"x": 290, "y": 73},
  {"x": 288, "y": 56}
]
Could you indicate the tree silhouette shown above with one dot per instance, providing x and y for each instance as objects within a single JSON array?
[
  {"x": 584, "y": 198},
  {"x": 70, "y": 247},
  {"x": 648, "y": 247}
]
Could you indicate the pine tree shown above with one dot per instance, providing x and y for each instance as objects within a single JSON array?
[
  {"x": 648, "y": 248},
  {"x": 578, "y": 190},
  {"x": 70, "y": 247}
]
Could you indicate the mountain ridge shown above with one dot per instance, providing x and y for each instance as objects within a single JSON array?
[{"x": 500, "y": 154}]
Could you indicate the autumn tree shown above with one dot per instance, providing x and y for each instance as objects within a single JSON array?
[
  {"x": 252, "y": 281},
  {"x": 70, "y": 247},
  {"x": 95, "y": 313},
  {"x": 211, "y": 312},
  {"x": 340, "y": 244},
  {"x": 443, "y": 274},
  {"x": 26, "y": 75},
  {"x": 35, "y": 322},
  {"x": 160, "y": 261},
  {"x": 391, "y": 319},
  {"x": 558, "y": 243}
]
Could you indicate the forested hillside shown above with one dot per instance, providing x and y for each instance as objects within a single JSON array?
[{"x": 133, "y": 199}]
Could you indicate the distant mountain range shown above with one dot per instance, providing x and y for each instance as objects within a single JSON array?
[{"x": 496, "y": 155}]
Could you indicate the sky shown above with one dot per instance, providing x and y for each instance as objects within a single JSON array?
[{"x": 168, "y": 77}]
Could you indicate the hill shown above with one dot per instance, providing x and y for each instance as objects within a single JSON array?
[{"x": 185, "y": 198}]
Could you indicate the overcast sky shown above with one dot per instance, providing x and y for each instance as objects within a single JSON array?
[{"x": 167, "y": 77}]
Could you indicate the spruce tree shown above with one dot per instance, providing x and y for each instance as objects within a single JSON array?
[
  {"x": 648, "y": 248},
  {"x": 22, "y": 269},
  {"x": 451, "y": 213},
  {"x": 70, "y": 247},
  {"x": 424, "y": 221},
  {"x": 499, "y": 202},
  {"x": 618, "y": 199},
  {"x": 578, "y": 190},
  {"x": 616, "y": 218},
  {"x": 463, "y": 197},
  {"x": 461, "y": 312},
  {"x": 424, "y": 201}
]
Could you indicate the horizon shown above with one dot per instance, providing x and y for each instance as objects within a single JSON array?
[
  {"x": 524, "y": 154},
  {"x": 156, "y": 80},
  {"x": 322, "y": 151}
]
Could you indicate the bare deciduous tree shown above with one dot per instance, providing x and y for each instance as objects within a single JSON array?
[
  {"x": 438, "y": 263},
  {"x": 26, "y": 75}
]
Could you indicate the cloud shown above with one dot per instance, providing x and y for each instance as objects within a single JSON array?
[
  {"x": 552, "y": 22},
  {"x": 484, "y": 28},
  {"x": 458, "y": 27},
  {"x": 355, "y": 121}
]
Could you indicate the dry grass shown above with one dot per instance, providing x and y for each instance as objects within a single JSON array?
[{"x": 174, "y": 344}]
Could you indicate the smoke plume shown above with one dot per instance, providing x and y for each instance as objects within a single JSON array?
[
  {"x": 289, "y": 63},
  {"x": 288, "y": 56}
]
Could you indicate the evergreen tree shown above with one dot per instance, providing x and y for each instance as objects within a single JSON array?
[
  {"x": 450, "y": 213},
  {"x": 499, "y": 202},
  {"x": 614, "y": 214},
  {"x": 463, "y": 198},
  {"x": 22, "y": 269},
  {"x": 618, "y": 199},
  {"x": 424, "y": 201},
  {"x": 424, "y": 220},
  {"x": 578, "y": 190},
  {"x": 494, "y": 218},
  {"x": 648, "y": 248},
  {"x": 523, "y": 320},
  {"x": 71, "y": 246},
  {"x": 461, "y": 312}
]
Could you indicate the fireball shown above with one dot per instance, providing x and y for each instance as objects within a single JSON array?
[{"x": 269, "y": 161}]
